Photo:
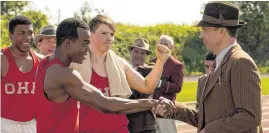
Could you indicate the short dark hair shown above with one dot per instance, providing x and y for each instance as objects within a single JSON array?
[
  {"x": 210, "y": 56},
  {"x": 18, "y": 20},
  {"x": 101, "y": 19},
  {"x": 67, "y": 29},
  {"x": 232, "y": 31}
]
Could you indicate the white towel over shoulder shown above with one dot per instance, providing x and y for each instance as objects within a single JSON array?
[{"x": 118, "y": 84}]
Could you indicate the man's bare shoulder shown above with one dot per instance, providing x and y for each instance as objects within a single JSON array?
[
  {"x": 125, "y": 64},
  {"x": 56, "y": 70},
  {"x": 62, "y": 74}
]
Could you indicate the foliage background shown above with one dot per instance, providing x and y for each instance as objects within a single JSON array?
[{"x": 254, "y": 38}]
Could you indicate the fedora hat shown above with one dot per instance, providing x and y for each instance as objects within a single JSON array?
[
  {"x": 219, "y": 14},
  {"x": 46, "y": 31},
  {"x": 140, "y": 43}
]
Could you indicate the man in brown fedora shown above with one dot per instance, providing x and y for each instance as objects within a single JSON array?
[
  {"x": 141, "y": 122},
  {"x": 139, "y": 51},
  {"x": 45, "y": 40},
  {"x": 231, "y": 98}
]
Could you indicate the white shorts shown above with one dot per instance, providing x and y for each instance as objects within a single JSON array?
[{"x": 10, "y": 126}]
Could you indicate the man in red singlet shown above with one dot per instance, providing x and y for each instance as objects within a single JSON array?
[
  {"x": 63, "y": 87},
  {"x": 102, "y": 37},
  {"x": 18, "y": 67}
]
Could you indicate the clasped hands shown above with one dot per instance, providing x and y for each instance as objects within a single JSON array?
[{"x": 165, "y": 108}]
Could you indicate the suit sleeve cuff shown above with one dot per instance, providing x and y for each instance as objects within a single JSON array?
[
  {"x": 168, "y": 84},
  {"x": 159, "y": 84}
]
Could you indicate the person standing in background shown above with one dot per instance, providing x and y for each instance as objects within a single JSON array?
[
  {"x": 45, "y": 40},
  {"x": 141, "y": 122},
  {"x": 170, "y": 84}
]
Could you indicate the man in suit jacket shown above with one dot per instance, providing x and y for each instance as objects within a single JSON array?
[
  {"x": 231, "y": 98},
  {"x": 209, "y": 60},
  {"x": 141, "y": 122},
  {"x": 169, "y": 85},
  {"x": 172, "y": 76}
]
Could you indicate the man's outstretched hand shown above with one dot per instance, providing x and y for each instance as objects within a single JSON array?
[{"x": 165, "y": 108}]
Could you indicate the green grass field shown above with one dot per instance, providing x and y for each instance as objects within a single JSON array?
[{"x": 188, "y": 92}]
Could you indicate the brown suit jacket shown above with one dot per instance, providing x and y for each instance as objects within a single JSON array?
[
  {"x": 201, "y": 83},
  {"x": 145, "y": 120},
  {"x": 231, "y": 98},
  {"x": 172, "y": 79}
]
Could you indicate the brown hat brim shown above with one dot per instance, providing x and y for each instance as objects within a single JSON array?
[
  {"x": 207, "y": 24},
  {"x": 38, "y": 37},
  {"x": 131, "y": 47}
]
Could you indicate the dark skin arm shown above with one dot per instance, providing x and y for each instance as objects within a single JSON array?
[
  {"x": 182, "y": 113},
  {"x": 73, "y": 84},
  {"x": 4, "y": 65}
]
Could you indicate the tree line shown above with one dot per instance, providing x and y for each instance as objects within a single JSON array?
[{"x": 253, "y": 38}]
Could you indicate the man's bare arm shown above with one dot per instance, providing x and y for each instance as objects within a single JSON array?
[
  {"x": 4, "y": 65},
  {"x": 143, "y": 85},
  {"x": 148, "y": 84},
  {"x": 182, "y": 113},
  {"x": 90, "y": 95}
]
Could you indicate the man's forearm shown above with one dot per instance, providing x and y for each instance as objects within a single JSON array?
[
  {"x": 154, "y": 76},
  {"x": 135, "y": 110},
  {"x": 123, "y": 106},
  {"x": 95, "y": 98},
  {"x": 90, "y": 95},
  {"x": 187, "y": 115}
]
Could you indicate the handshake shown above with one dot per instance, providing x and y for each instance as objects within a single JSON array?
[{"x": 165, "y": 108}]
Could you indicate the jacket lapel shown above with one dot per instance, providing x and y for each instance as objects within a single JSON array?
[
  {"x": 216, "y": 75},
  {"x": 201, "y": 104}
]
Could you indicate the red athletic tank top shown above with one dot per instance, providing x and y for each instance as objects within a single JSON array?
[
  {"x": 94, "y": 121},
  {"x": 54, "y": 117},
  {"x": 18, "y": 90}
]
